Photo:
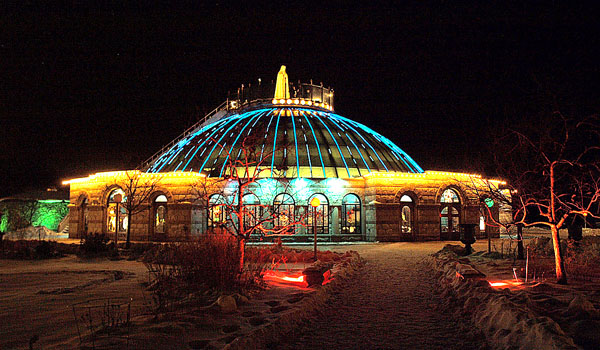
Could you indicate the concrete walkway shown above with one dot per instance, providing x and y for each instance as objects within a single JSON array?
[{"x": 393, "y": 304}]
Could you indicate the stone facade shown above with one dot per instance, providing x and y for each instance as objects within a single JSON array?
[{"x": 381, "y": 205}]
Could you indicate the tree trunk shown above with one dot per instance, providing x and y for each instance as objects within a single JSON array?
[
  {"x": 561, "y": 274},
  {"x": 242, "y": 248},
  {"x": 520, "y": 250}
]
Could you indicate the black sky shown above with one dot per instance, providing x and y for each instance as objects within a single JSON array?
[{"x": 86, "y": 89}]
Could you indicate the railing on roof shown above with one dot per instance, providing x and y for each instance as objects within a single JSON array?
[
  {"x": 230, "y": 105},
  {"x": 223, "y": 106}
]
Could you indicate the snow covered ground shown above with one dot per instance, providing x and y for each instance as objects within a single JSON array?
[{"x": 392, "y": 304}]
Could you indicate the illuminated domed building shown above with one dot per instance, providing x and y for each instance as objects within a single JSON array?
[{"x": 290, "y": 138}]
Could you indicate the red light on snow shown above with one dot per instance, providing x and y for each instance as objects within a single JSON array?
[
  {"x": 506, "y": 284},
  {"x": 295, "y": 278}
]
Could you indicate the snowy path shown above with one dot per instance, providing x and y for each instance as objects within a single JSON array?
[{"x": 390, "y": 305}]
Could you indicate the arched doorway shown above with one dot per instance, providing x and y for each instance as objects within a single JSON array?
[
  {"x": 351, "y": 210},
  {"x": 407, "y": 210},
  {"x": 159, "y": 214},
  {"x": 318, "y": 217},
  {"x": 116, "y": 215},
  {"x": 450, "y": 215}
]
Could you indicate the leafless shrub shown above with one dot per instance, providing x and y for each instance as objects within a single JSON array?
[{"x": 208, "y": 264}]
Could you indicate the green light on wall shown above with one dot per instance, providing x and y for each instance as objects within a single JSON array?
[
  {"x": 4, "y": 223},
  {"x": 50, "y": 213}
]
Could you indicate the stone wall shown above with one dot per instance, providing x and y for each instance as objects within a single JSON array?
[
  {"x": 380, "y": 200},
  {"x": 425, "y": 192}
]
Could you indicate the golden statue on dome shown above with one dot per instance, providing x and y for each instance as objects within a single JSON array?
[{"x": 282, "y": 88}]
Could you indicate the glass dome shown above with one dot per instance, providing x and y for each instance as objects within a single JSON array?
[{"x": 290, "y": 141}]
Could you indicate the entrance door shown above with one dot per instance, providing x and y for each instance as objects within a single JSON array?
[
  {"x": 407, "y": 206},
  {"x": 450, "y": 223}
]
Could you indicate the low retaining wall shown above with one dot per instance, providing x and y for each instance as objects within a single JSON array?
[{"x": 506, "y": 324}]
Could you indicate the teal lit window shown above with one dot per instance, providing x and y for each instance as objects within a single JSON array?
[
  {"x": 252, "y": 210},
  {"x": 283, "y": 211}
]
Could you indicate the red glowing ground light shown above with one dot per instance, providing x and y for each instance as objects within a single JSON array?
[
  {"x": 292, "y": 278},
  {"x": 506, "y": 284}
]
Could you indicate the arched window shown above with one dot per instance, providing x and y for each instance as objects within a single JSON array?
[
  {"x": 319, "y": 214},
  {"x": 351, "y": 214},
  {"x": 252, "y": 210},
  {"x": 450, "y": 196},
  {"x": 216, "y": 211},
  {"x": 450, "y": 215},
  {"x": 407, "y": 206},
  {"x": 283, "y": 210},
  {"x": 83, "y": 217},
  {"x": 116, "y": 213},
  {"x": 160, "y": 214}
]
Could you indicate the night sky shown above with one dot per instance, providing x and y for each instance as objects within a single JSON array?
[{"x": 91, "y": 89}]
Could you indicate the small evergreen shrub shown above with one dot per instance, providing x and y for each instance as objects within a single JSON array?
[
  {"x": 94, "y": 244},
  {"x": 46, "y": 250}
]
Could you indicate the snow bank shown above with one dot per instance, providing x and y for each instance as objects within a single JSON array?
[
  {"x": 305, "y": 309},
  {"x": 35, "y": 232},
  {"x": 506, "y": 324}
]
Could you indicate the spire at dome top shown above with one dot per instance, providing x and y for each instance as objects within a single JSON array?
[{"x": 282, "y": 88}]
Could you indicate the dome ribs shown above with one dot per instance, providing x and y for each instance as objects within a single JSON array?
[{"x": 324, "y": 145}]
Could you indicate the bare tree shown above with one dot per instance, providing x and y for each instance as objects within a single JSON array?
[
  {"x": 137, "y": 188},
  {"x": 553, "y": 173},
  {"x": 498, "y": 194},
  {"x": 236, "y": 195}
]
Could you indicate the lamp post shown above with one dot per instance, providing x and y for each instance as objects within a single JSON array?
[{"x": 314, "y": 203}]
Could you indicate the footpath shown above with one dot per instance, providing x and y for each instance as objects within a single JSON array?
[{"x": 393, "y": 303}]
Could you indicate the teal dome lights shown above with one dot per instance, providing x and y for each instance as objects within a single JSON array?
[{"x": 300, "y": 136}]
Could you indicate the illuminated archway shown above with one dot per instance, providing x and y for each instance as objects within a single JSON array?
[
  {"x": 283, "y": 211},
  {"x": 407, "y": 210},
  {"x": 351, "y": 211},
  {"x": 450, "y": 215},
  {"x": 116, "y": 215},
  {"x": 159, "y": 214}
]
